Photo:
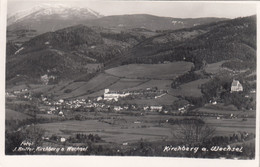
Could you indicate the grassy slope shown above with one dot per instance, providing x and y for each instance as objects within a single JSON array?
[
  {"x": 189, "y": 89},
  {"x": 14, "y": 115},
  {"x": 151, "y": 71}
]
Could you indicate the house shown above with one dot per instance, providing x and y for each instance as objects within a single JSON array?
[
  {"x": 252, "y": 91},
  {"x": 118, "y": 108},
  {"x": 99, "y": 98},
  {"x": 156, "y": 108},
  {"x": 214, "y": 102},
  {"x": 62, "y": 139},
  {"x": 60, "y": 113},
  {"x": 17, "y": 91},
  {"x": 61, "y": 101},
  {"x": 236, "y": 86}
]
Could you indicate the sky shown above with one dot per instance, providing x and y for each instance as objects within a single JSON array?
[{"x": 162, "y": 8}]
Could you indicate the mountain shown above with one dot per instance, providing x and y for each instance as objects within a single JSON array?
[{"x": 47, "y": 17}]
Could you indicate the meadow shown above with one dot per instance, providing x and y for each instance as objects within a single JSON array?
[
  {"x": 15, "y": 115},
  {"x": 214, "y": 68},
  {"x": 189, "y": 89},
  {"x": 164, "y": 100},
  {"x": 151, "y": 71}
]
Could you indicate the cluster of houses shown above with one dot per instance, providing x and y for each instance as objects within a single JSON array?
[
  {"x": 45, "y": 78},
  {"x": 184, "y": 108},
  {"x": 16, "y": 92},
  {"x": 60, "y": 106}
]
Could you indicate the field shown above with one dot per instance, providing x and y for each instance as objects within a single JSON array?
[
  {"x": 141, "y": 76},
  {"x": 120, "y": 128},
  {"x": 151, "y": 71},
  {"x": 220, "y": 109},
  {"x": 189, "y": 89},
  {"x": 14, "y": 115},
  {"x": 77, "y": 89},
  {"x": 126, "y": 84},
  {"x": 230, "y": 126},
  {"x": 116, "y": 129},
  {"x": 164, "y": 100},
  {"x": 214, "y": 68}
]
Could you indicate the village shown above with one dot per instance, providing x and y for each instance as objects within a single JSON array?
[
  {"x": 110, "y": 102},
  {"x": 112, "y": 111}
]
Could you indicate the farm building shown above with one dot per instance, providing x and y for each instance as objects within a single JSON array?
[{"x": 236, "y": 86}]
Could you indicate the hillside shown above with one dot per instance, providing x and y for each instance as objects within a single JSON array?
[
  {"x": 211, "y": 43},
  {"x": 69, "y": 51},
  {"x": 81, "y": 45}
]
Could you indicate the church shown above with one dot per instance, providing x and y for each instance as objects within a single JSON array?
[{"x": 236, "y": 86}]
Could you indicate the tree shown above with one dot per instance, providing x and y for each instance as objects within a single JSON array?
[
  {"x": 34, "y": 134},
  {"x": 12, "y": 140},
  {"x": 194, "y": 131}
]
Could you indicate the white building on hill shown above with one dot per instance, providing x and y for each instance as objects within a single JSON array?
[
  {"x": 112, "y": 95},
  {"x": 236, "y": 86}
]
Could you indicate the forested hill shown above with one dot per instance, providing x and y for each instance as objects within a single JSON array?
[
  {"x": 68, "y": 51},
  {"x": 225, "y": 40}
]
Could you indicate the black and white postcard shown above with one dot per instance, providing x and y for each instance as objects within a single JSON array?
[{"x": 161, "y": 80}]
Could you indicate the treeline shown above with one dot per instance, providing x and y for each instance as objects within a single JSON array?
[
  {"x": 216, "y": 86},
  {"x": 123, "y": 36},
  {"x": 13, "y": 139},
  {"x": 185, "y": 78},
  {"x": 176, "y": 121},
  {"x": 83, "y": 138},
  {"x": 65, "y": 39},
  {"x": 239, "y": 65},
  {"x": 15, "y": 124},
  {"x": 234, "y": 138}
]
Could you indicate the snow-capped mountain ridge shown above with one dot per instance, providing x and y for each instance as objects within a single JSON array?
[{"x": 59, "y": 10}]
